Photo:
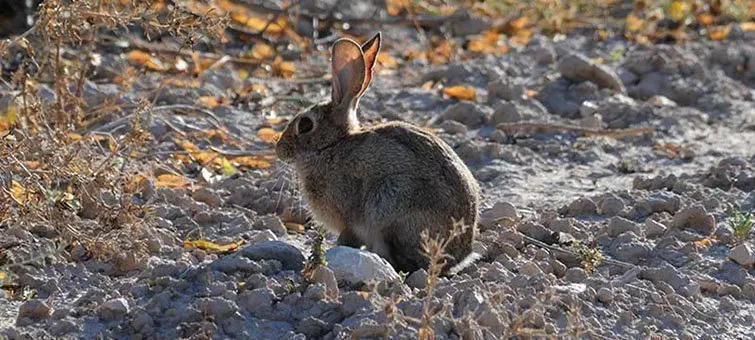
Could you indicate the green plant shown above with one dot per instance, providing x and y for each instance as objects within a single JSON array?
[
  {"x": 740, "y": 223},
  {"x": 590, "y": 257}
]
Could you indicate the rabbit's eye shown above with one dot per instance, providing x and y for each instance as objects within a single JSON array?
[{"x": 305, "y": 125}]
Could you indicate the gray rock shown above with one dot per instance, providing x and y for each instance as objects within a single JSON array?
[
  {"x": 576, "y": 275},
  {"x": 578, "y": 68},
  {"x": 506, "y": 112},
  {"x": 263, "y": 236},
  {"x": 500, "y": 210},
  {"x": 507, "y": 89},
  {"x": 357, "y": 266},
  {"x": 207, "y": 196},
  {"x": 35, "y": 309},
  {"x": 743, "y": 254},
  {"x": 611, "y": 206},
  {"x": 453, "y": 127},
  {"x": 694, "y": 218},
  {"x": 534, "y": 230},
  {"x": 468, "y": 113},
  {"x": 289, "y": 256},
  {"x": 582, "y": 206},
  {"x": 669, "y": 274},
  {"x": 530, "y": 269},
  {"x": 258, "y": 301},
  {"x": 605, "y": 295},
  {"x": 272, "y": 223},
  {"x": 113, "y": 309},
  {"x": 654, "y": 229},
  {"x": 619, "y": 225},
  {"x": 418, "y": 279},
  {"x": 748, "y": 290},
  {"x": 327, "y": 278}
]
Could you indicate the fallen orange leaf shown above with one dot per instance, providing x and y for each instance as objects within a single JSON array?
[
  {"x": 634, "y": 23},
  {"x": 719, "y": 32},
  {"x": 461, "y": 92},
  {"x": 262, "y": 51},
  {"x": 285, "y": 69},
  {"x": 706, "y": 19},
  {"x": 18, "y": 193},
  {"x": 747, "y": 26},
  {"x": 268, "y": 135},
  {"x": 182, "y": 82},
  {"x": 146, "y": 60},
  {"x": 208, "y": 101},
  {"x": 211, "y": 246},
  {"x": 396, "y": 7},
  {"x": 679, "y": 10},
  {"x": 295, "y": 227},
  {"x": 387, "y": 61},
  {"x": 171, "y": 181},
  {"x": 251, "y": 162}
]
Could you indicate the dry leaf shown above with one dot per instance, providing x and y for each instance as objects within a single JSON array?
[
  {"x": 634, "y": 23},
  {"x": 257, "y": 23},
  {"x": 144, "y": 59},
  {"x": 461, "y": 92},
  {"x": 18, "y": 193},
  {"x": 719, "y": 32},
  {"x": 679, "y": 10},
  {"x": 32, "y": 164},
  {"x": 747, "y": 26},
  {"x": 295, "y": 227},
  {"x": 285, "y": 69},
  {"x": 706, "y": 19},
  {"x": 252, "y": 162},
  {"x": 387, "y": 61},
  {"x": 262, "y": 51},
  {"x": 211, "y": 246},
  {"x": 182, "y": 82},
  {"x": 706, "y": 242},
  {"x": 396, "y": 7},
  {"x": 208, "y": 101},
  {"x": 171, "y": 181},
  {"x": 268, "y": 135}
]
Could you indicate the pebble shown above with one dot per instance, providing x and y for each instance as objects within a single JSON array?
[
  {"x": 530, "y": 269},
  {"x": 579, "y": 68},
  {"x": 654, "y": 229},
  {"x": 582, "y": 207},
  {"x": 358, "y": 266},
  {"x": 576, "y": 275},
  {"x": 418, "y": 279},
  {"x": 743, "y": 254},
  {"x": 611, "y": 206},
  {"x": 35, "y": 308},
  {"x": 500, "y": 210},
  {"x": 326, "y": 277},
  {"x": 289, "y": 256},
  {"x": 694, "y": 218},
  {"x": 272, "y": 223},
  {"x": 470, "y": 114},
  {"x": 619, "y": 225},
  {"x": 605, "y": 295},
  {"x": 113, "y": 309}
]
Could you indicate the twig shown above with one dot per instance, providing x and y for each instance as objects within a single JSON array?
[
  {"x": 140, "y": 44},
  {"x": 566, "y": 251},
  {"x": 548, "y": 127}
]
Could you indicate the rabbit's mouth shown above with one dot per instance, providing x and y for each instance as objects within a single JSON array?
[{"x": 284, "y": 152}]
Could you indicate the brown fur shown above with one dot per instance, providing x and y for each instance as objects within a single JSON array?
[{"x": 380, "y": 186}]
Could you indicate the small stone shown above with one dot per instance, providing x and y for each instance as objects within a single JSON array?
[
  {"x": 207, "y": 196},
  {"x": 605, "y": 295},
  {"x": 272, "y": 223},
  {"x": 696, "y": 219},
  {"x": 263, "y": 236},
  {"x": 418, "y": 279},
  {"x": 506, "y": 89},
  {"x": 582, "y": 207},
  {"x": 468, "y": 113},
  {"x": 506, "y": 112},
  {"x": 748, "y": 290},
  {"x": 35, "y": 309},
  {"x": 357, "y": 266},
  {"x": 326, "y": 277},
  {"x": 500, "y": 211},
  {"x": 611, "y": 206},
  {"x": 289, "y": 256},
  {"x": 654, "y": 229},
  {"x": 453, "y": 127},
  {"x": 579, "y": 68},
  {"x": 559, "y": 269},
  {"x": 576, "y": 275},
  {"x": 594, "y": 121},
  {"x": 743, "y": 254},
  {"x": 530, "y": 269},
  {"x": 619, "y": 225},
  {"x": 113, "y": 309}
]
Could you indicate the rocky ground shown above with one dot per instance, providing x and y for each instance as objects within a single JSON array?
[{"x": 654, "y": 202}]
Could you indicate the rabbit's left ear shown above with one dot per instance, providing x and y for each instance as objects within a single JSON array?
[
  {"x": 348, "y": 73},
  {"x": 370, "y": 49}
]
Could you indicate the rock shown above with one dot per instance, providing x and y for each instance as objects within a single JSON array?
[
  {"x": 559, "y": 269},
  {"x": 530, "y": 269},
  {"x": 743, "y": 254},
  {"x": 506, "y": 112},
  {"x": 500, "y": 210},
  {"x": 654, "y": 229},
  {"x": 207, "y": 196},
  {"x": 326, "y": 277},
  {"x": 534, "y": 230},
  {"x": 545, "y": 55},
  {"x": 418, "y": 279},
  {"x": 262, "y": 236},
  {"x": 35, "y": 309},
  {"x": 576, "y": 275},
  {"x": 619, "y": 225},
  {"x": 453, "y": 127},
  {"x": 749, "y": 290},
  {"x": 611, "y": 206},
  {"x": 113, "y": 309},
  {"x": 594, "y": 122},
  {"x": 669, "y": 274},
  {"x": 468, "y": 113},
  {"x": 578, "y": 68},
  {"x": 272, "y": 223},
  {"x": 357, "y": 266},
  {"x": 605, "y": 295},
  {"x": 289, "y": 256},
  {"x": 581, "y": 207},
  {"x": 694, "y": 218},
  {"x": 507, "y": 89}
]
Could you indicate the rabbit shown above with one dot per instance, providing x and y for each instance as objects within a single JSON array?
[{"x": 381, "y": 186}]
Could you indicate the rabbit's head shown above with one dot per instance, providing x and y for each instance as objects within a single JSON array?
[{"x": 324, "y": 125}]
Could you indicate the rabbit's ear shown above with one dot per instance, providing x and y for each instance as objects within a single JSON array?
[
  {"x": 370, "y": 49},
  {"x": 348, "y": 73}
]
